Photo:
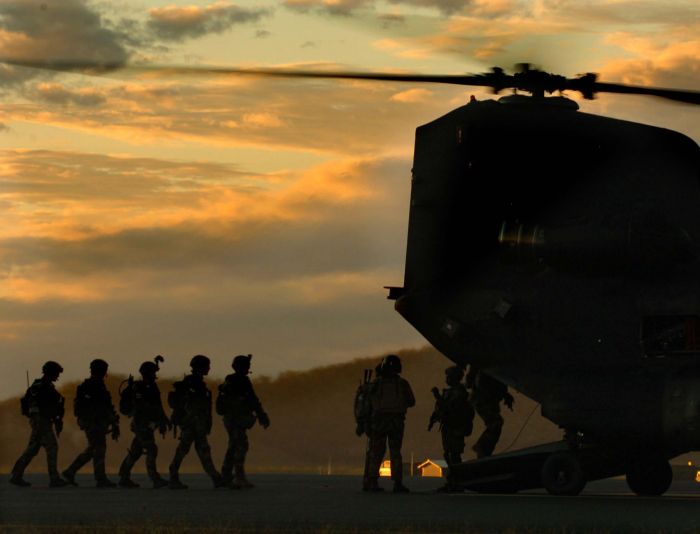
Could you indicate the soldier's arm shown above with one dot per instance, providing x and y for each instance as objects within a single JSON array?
[
  {"x": 263, "y": 418},
  {"x": 410, "y": 398},
  {"x": 470, "y": 379},
  {"x": 508, "y": 400}
]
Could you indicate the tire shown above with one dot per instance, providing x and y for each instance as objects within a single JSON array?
[
  {"x": 649, "y": 477},
  {"x": 562, "y": 474}
]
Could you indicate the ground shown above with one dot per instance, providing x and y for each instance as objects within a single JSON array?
[{"x": 309, "y": 503}]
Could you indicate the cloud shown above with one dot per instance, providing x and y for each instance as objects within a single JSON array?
[
  {"x": 447, "y": 7},
  {"x": 331, "y": 7},
  {"x": 411, "y": 96},
  {"x": 655, "y": 61},
  {"x": 351, "y": 7},
  {"x": 82, "y": 215},
  {"x": 65, "y": 30},
  {"x": 390, "y": 19},
  {"x": 139, "y": 253},
  {"x": 262, "y": 120},
  {"x": 58, "y": 94},
  {"x": 175, "y": 23},
  {"x": 240, "y": 111}
]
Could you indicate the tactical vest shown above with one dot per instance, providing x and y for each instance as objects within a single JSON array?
[{"x": 389, "y": 397}]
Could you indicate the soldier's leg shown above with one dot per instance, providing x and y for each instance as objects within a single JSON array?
[
  {"x": 50, "y": 443},
  {"x": 241, "y": 446},
  {"x": 99, "y": 451},
  {"x": 30, "y": 452},
  {"x": 80, "y": 460},
  {"x": 201, "y": 445},
  {"x": 377, "y": 449},
  {"x": 132, "y": 456},
  {"x": 491, "y": 414},
  {"x": 227, "y": 466},
  {"x": 148, "y": 440},
  {"x": 186, "y": 440},
  {"x": 395, "y": 438},
  {"x": 453, "y": 447},
  {"x": 366, "y": 478}
]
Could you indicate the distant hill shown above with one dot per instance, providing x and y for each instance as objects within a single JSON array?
[{"x": 312, "y": 422}]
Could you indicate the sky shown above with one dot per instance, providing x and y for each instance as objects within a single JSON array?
[{"x": 146, "y": 214}]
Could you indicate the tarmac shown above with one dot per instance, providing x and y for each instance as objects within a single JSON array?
[{"x": 311, "y": 503}]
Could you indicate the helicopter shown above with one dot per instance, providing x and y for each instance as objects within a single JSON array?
[{"x": 558, "y": 252}]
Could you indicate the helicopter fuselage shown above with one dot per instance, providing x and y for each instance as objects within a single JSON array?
[{"x": 558, "y": 251}]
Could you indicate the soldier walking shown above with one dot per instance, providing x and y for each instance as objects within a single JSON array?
[
  {"x": 390, "y": 397},
  {"x": 44, "y": 406},
  {"x": 191, "y": 404},
  {"x": 96, "y": 417},
  {"x": 141, "y": 401},
  {"x": 487, "y": 394},
  {"x": 240, "y": 406},
  {"x": 456, "y": 417}
]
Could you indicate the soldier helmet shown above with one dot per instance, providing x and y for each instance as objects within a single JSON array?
[
  {"x": 200, "y": 362},
  {"x": 455, "y": 371},
  {"x": 392, "y": 363},
  {"x": 241, "y": 363},
  {"x": 98, "y": 366},
  {"x": 148, "y": 368},
  {"x": 51, "y": 367}
]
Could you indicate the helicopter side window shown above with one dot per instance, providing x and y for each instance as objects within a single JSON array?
[{"x": 666, "y": 335}]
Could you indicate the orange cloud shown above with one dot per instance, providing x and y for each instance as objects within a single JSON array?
[{"x": 411, "y": 96}]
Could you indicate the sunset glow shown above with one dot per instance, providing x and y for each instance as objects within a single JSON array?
[{"x": 154, "y": 214}]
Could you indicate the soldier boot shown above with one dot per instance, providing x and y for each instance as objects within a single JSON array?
[
  {"x": 19, "y": 481},
  {"x": 240, "y": 481},
  {"x": 125, "y": 482}
]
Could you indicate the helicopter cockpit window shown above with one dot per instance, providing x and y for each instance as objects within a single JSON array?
[{"x": 667, "y": 335}]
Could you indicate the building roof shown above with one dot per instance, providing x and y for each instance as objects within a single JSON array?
[{"x": 439, "y": 463}]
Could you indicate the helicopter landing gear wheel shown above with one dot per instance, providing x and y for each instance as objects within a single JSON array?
[
  {"x": 562, "y": 474},
  {"x": 649, "y": 476}
]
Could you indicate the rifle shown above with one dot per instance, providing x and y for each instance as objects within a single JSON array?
[
  {"x": 364, "y": 427},
  {"x": 58, "y": 419},
  {"x": 437, "y": 412},
  {"x": 361, "y": 415}
]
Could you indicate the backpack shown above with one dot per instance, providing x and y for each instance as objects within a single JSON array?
[
  {"x": 388, "y": 397},
  {"x": 176, "y": 400},
  {"x": 126, "y": 397},
  {"x": 362, "y": 406},
  {"x": 25, "y": 401},
  {"x": 80, "y": 410},
  {"x": 222, "y": 401},
  {"x": 236, "y": 407}
]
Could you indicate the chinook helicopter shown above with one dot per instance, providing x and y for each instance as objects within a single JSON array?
[{"x": 558, "y": 251}]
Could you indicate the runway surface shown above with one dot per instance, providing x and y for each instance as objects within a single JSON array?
[{"x": 305, "y": 503}]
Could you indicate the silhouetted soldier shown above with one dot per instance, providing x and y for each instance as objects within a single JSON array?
[
  {"x": 240, "y": 407},
  {"x": 96, "y": 417},
  {"x": 44, "y": 407},
  {"x": 486, "y": 397},
  {"x": 390, "y": 397},
  {"x": 191, "y": 404},
  {"x": 456, "y": 417},
  {"x": 141, "y": 401}
]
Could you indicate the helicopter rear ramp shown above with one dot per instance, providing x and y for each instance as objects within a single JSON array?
[{"x": 554, "y": 466}]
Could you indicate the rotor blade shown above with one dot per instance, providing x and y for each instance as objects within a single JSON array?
[
  {"x": 689, "y": 97},
  {"x": 92, "y": 67},
  {"x": 497, "y": 79}
]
